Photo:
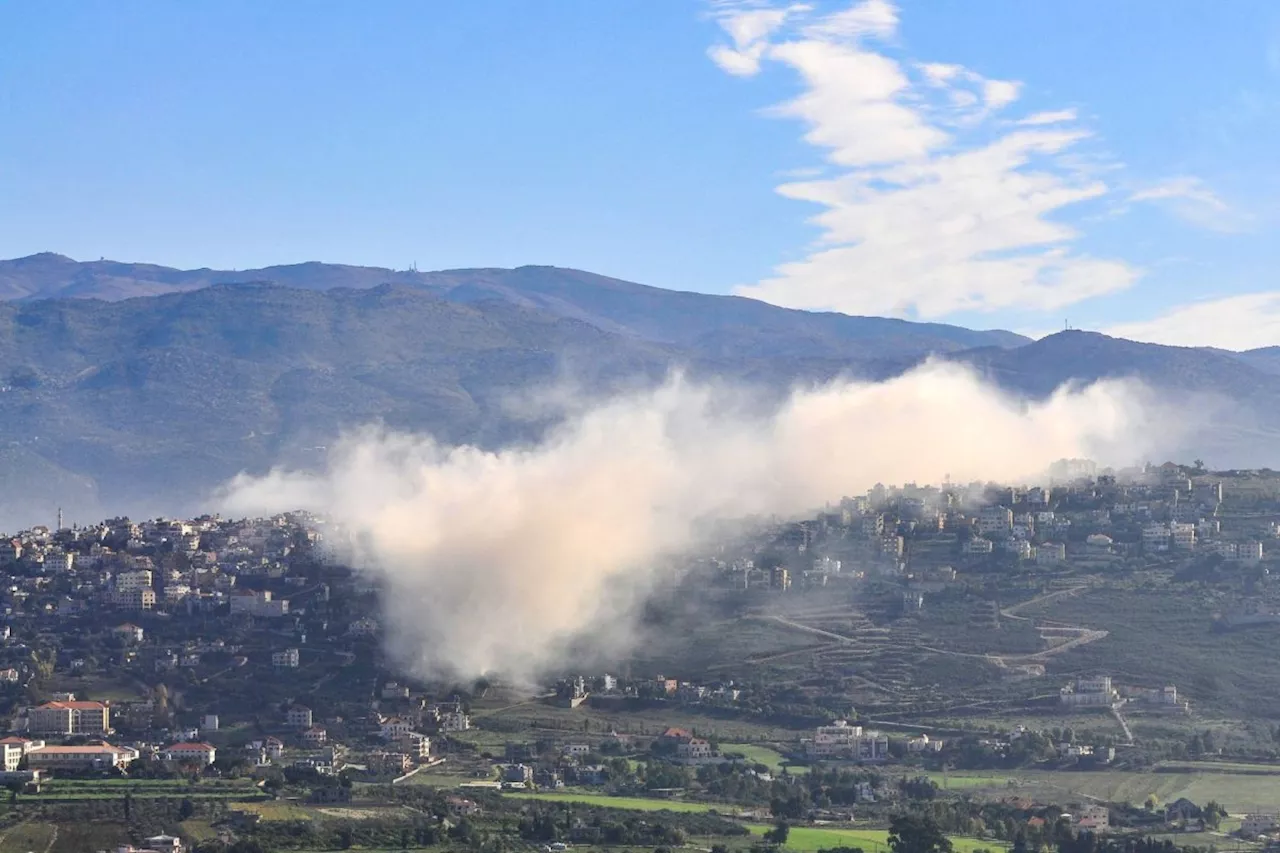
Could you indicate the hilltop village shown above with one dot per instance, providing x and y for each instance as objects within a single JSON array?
[{"x": 862, "y": 658}]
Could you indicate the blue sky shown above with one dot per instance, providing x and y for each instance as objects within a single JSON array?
[{"x": 985, "y": 162}]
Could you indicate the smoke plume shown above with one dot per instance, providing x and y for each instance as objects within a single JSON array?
[{"x": 499, "y": 560}]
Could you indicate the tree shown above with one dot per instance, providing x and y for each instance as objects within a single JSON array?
[
  {"x": 779, "y": 834},
  {"x": 917, "y": 834},
  {"x": 1213, "y": 814}
]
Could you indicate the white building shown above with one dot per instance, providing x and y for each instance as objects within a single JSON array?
[
  {"x": 1051, "y": 552},
  {"x": 1182, "y": 535},
  {"x": 1257, "y": 824},
  {"x": 841, "y": 740},
  {"x": 1096, "y": 692},
  {"x": 128, "y": 582},
  {"x": 979, "y": 545},
  {"x": 995, "y": 519},
  {"x": 287, "y": 659},
  {"x": 258, "y": 603}
]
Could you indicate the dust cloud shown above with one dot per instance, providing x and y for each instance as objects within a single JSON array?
[{"x": 499, "y": 561}]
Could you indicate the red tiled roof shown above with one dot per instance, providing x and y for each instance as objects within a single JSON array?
[
  {"x": 74, "y": 706},
  {"x": 190, "y": 747}
]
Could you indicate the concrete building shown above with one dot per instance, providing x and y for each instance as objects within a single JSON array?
[
  {"x": 841, "y": 740},
  {"x": 298, "y": 717},
  {"x": 287, "y": 659},
  {"x": 69, "y": 718},
  {"x": 201, "y": 754},
  {"x": 1096, "y": 692},
  {"x": 995, "y": 519},
  {"x": 12, "y": 749},
  {"x": 85, "y": 757}
]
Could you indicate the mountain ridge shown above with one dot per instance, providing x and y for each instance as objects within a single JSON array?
[{"x": 146, "y": 404}]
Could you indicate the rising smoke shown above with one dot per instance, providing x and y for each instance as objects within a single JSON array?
[{"x": 500, "y": 560}]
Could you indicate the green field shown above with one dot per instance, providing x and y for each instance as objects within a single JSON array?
[
  {"x": 634, "y": 803},
  {"x": 1238, "y": 792},
  {"x": 25, "y": 837},
  {"x": 810, "y": 838},
  {"x": 770, "y": 758}
]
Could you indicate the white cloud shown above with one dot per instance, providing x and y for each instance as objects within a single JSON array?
[
  {"x": 1048, "y": 117},
  {"x": 749, "y": 28},
  {"x": 1189, "y": 199},
  {"x": 936, "y": 208},
  {"x": 1241, "y": 322}
]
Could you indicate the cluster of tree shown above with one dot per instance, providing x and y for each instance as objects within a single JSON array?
[{"x": 343, "y": 835}]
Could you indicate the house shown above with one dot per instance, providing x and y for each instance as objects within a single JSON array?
[
  {"x": 454, "y": 721},
  {"x": 315, "y": 736},
  {"x": 461, "y": 807},
  {"x": 69, "y": 718},
  {"x": 258, "y": 603},
  {"x": 388, "y": 763},
  {"x": 12, "y": 749},
  {"x": 130, "y": 632},
  {"x": 298, "y": 717},
  {"x": 1094, "y": 818},
  {"x": 841, "y": 740},
  {"x": 517, "y": 774},
  {"x": 287, "y": 659},
  {"x": 394, "y": 728},
  {"x": 415, "y": 745},
  {"x": 394, "y": 690},
  {"x": 164, "y": 843},
  {"x": 1254, "y": 825},
  {"x": 274, "y": 748},
  {"x": 576, "y": 750},
  {"x": 1095, "y": 692},
  {"x": 923, "y": 744},
  {"x": 693, "y": 749},
  {"x": 1182, "y": 810},
  {"x": 86, "y": 757},
  {"x": 200, "y": 754}
]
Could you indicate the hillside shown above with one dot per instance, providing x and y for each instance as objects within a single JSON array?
[
  {"x": 145, "y": 404},
  {"x": 723, "y": 325}
]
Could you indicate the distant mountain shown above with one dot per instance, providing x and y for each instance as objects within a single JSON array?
[
  {"x": 729, "y": 325},
  {"x": 1266, "y": 359},
  {"x": 145, "y": 403}
]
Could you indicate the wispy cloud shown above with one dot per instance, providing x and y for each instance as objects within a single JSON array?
[
  {"x": 1191, "y": 200},
  {"x": 937, "y": 206},
  {"x": 1240, "y": 322}
]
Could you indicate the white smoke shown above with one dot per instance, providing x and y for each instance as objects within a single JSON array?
[{"x": 498, "y": 560}]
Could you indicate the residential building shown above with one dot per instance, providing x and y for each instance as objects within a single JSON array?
[
  {"x": 299, "y": 717},
  {"x": 1183, "y": 536},
  {"x": 693, "y": 749},
  {"x": 85, "y": 757},
  {"x": 995, "y": 519},
  {"x": 454, "y": 721},
  {"x": 69, "y": 718},
  {"x": 201, "y": 754},
  {"x": 979, "y": 545},
  {"x": 136, "y": 600},
  {"x": 286, "y": 659},
  {"x": 1254, "y": 825},
  {"x": 130, "y": 632},
  {"x": 258, "y": 603},
  {"x": 1096, "y": 818},
  {"x": 129, "y": 582},
  {"x": 1095, "y": 692},
  {"x": 315, "y": 736},
  {"x": 12, "y": 749},
  {"x": 395, "y": 727},
  {"x": 841, "y": 740},
  {"x": 1051, "y": 552}
]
